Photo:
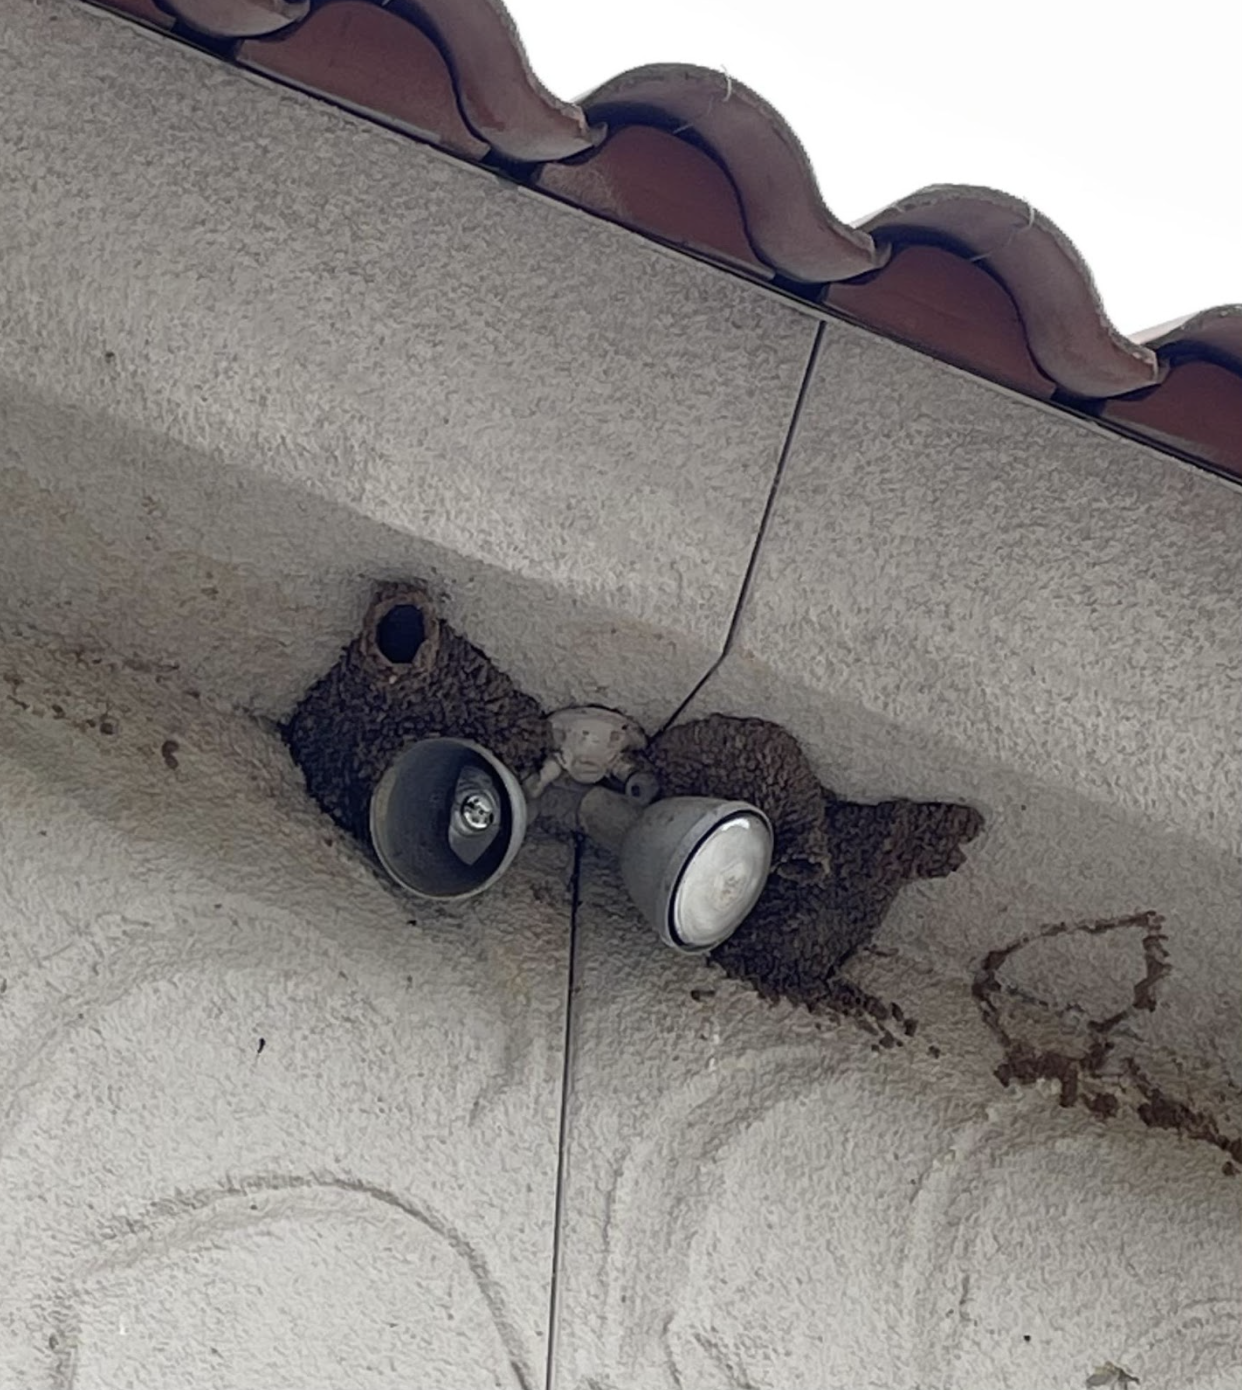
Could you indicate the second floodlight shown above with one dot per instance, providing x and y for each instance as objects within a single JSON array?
[{"x": 695, "y": 866}]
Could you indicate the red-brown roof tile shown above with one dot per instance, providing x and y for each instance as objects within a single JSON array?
[
  {"x": 689, "y": 156},
  {"x": 371, "y": 61},
  {"x": 239, "y": 19},
  {"x": 950, "y": 307},
  {"x": 650, "y": 180},
  {"x": 1197, "y": 410},
  {"x": 789, "y": 225},
  {"x": 1069, "y": 333},
  {"x": 503, "y": 100},
  {"x": 1216, "y": 331}
]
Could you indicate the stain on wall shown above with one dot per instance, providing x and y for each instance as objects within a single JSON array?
[{"x": 1088, "y": 1066}]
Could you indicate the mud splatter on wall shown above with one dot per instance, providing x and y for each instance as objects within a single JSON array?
[{"x": 1090, "y": 1067}]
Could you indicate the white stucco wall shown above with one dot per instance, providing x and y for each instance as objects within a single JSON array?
[
  {"x": 965, "y": 595},
  {"x": 368, "y": 1196},
  {"x": 254, "y": 354},
  {"x": 751, "y": 1197},
  {"x": 755, "y": 1198},
  {"x": 255, "y": 392}
]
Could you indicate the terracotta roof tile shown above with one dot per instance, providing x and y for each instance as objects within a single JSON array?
[
  {"x": 371, "y": 61},
  {"x": 687, "y": 155},
  {"x": 1196, "y": 410},
  {"x": 950, "y": 307},
  {"x": 1216, "y": 331},
  {"x": 503, "y": 100},
  {"x": 656, "y": 183},
  {"x": 789, "y": 225},
  {"x": 238, "y": 19},
  {"x": 1069, "y": 333}
]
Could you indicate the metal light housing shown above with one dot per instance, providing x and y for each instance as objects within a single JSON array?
[
  {"x": 447, "y": 818},
  {"x": 695, "y": 866}
]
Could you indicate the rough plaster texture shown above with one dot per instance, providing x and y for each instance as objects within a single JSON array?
[
  {"x": 1068, "y": 601},
  {"x": 758, "y": 1198},
  {"x": 364, "y": 1199},
  {"x": 750, "y": 1197},
  {"x": 964, "y": 595},
  {"x": 296, "y": 354},
  {"x": 295, "y": 350}
]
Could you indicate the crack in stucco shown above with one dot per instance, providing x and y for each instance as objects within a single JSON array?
[{"x": 765, "y": 521}]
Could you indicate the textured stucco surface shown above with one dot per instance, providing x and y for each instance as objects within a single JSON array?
[
  {"x": 758, "y": 1198},
  {"x": 368, "y": 1198},
  {"x": 988, "y": 572},
  {"x": 750, "y": 1196},
  {"x": 254, "y": 355},
  {"x": 967, "y": 596},
  {"x": 356, "y": 355}
]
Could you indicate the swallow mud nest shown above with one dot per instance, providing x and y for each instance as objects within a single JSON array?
[
  {"x": 406, "y": 676},
  {"x": 837, "y": 865}
]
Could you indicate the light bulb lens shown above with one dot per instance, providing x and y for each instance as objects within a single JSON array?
[{"x": 721, "y": 881}]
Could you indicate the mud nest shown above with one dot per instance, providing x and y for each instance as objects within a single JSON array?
[
  {"x": 407, "y": 676},
  {"x": 837, "y": 865}
]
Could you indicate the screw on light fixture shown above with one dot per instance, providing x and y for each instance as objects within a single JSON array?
[{"x": 477, "y": 812}]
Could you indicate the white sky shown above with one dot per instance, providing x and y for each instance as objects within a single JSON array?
[{"x": 1120, "y": 121}]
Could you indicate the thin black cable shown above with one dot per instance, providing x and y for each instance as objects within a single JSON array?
[
  {"x": 752, "y": 564},
  {"x": 567, "y": 1062}
]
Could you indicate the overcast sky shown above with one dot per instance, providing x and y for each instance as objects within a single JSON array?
[{"x": 1120, "y": 121}]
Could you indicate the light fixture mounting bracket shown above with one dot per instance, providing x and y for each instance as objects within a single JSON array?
[{"x": 591, "y": 743}]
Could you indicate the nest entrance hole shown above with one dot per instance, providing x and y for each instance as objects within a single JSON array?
[{"x": 400, "y": 633}]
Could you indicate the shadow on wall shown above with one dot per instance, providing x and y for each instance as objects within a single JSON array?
[{"x": 171, "y": 555}]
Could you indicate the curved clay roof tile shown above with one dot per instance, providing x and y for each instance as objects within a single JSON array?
[
  {"x": 501, "y": 98},
  {"x": 374, "y": 61},
  {"x": 971, "y": 275},
  {"x": 1070, "y": 335},
  {"x": 239, "y": 19},
  {"x": 1219, "y": 330},
  {"x": 789, "y": 225}
]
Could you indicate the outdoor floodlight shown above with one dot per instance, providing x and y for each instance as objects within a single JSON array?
[
  {"x": 695, "y": 866},
  {"x": 447, "y": 818}
]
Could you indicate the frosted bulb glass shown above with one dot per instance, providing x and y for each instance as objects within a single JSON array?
[{"x": 722, "y": 881}]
